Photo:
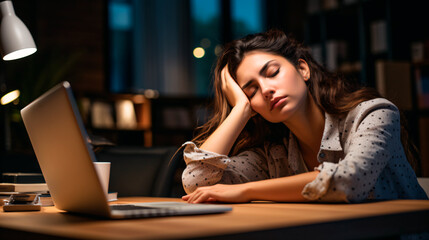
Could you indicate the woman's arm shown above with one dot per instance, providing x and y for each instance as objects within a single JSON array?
[
  {"x": 285, "y": 189},
  {"x": 204, "y": 168},
  {"x": 205, "y": 165},
  {"x": 223, "y": 138}
]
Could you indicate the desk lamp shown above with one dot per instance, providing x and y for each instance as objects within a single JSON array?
[{"x": 15, "y": 42}]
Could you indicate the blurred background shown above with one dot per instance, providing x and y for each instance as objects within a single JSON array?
[{"x": 141, "y": 70}]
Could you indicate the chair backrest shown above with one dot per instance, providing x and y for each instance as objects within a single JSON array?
[
  {"x": 140, "y": 171},
  {"x": 424, "y": 183},
  {"x": 169, "y": 181}
]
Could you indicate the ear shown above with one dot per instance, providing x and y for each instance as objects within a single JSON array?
[{"x": 304, "y": 69}]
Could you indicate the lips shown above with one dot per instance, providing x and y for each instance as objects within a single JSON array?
[{"x": 276, "y": 102}]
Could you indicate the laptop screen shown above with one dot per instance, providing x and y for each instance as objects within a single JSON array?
[{"x": 60, "y": 143}]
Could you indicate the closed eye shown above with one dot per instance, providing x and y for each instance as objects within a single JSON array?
[
  {"x": 275, "y": 73},
  {"x": 254, "y": 92},
  {"x": 272, "y": 70},
  {"x": 250, "y": 90}
]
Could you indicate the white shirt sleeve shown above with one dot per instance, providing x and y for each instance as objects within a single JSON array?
[{"x": 205, "y": 168}]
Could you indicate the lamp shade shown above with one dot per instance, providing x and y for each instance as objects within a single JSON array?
[{"x": 16, "y": 40}]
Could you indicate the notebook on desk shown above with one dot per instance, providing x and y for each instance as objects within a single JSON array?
[{"x": 61, "y": 145}]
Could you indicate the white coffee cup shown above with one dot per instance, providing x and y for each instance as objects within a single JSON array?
[{"x": 103, "y": 171}]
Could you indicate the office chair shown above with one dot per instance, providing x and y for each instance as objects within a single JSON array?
[{"x": 141, "y": 171}]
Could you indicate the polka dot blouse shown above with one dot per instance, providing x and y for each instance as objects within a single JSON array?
[{"x": 361, "y": 157}]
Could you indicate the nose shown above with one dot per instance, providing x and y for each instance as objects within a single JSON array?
[{"x": 267, "y": 89}]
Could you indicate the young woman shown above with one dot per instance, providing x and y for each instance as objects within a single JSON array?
[{"x": 284, "y": 129}]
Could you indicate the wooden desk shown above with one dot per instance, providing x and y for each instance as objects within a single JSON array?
[{"x": 253, "y": 220}]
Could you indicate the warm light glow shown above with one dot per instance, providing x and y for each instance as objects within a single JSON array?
[
  {"x": 150, "y": 93},
  {"x": 205, "y": 43},
  {"x": 199, "y": 52},
  {"x": 139, "y": 99},
  {"x": 218, "y": 50},
  {"x": 125, "y": 114},
  {"x": 19, "y": 54},
  {"x": 9, "y": 97}
]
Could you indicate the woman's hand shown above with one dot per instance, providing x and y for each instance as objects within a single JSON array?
[
  {"x": 232, "y": 90},
  {"x": 224, "y": 137},
  {"x": 218, "y": 193}
]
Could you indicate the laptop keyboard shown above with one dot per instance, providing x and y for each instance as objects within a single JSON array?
[
  {"x": 130, "y": 210},
  {"x": 128, "y": 207}
]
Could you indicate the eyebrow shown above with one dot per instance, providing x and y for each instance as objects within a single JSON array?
[{"x": 263, "y": 69}]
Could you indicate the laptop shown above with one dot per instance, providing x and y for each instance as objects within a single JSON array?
[{"x": 62, "y": 148}]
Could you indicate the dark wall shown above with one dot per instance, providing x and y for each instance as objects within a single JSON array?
[
  {"x": 288, "y": 16},
  {"x": 69, "y": 31}
]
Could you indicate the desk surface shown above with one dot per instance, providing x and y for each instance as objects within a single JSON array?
[{"x": 254, "y": 220}]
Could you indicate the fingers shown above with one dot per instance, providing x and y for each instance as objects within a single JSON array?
[
  {"x": 200, "y": 195},
  {"x": 197, "y": 197},
  {"x": 225, "y": 85},
  {"x": 190, "y": 198},
  {"x": 230, "y": 87}
]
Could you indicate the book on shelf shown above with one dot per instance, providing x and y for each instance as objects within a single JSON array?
[
  {"x": 378, "y": 37},
  {"x": 422, "y": 86},
  {"x": 393, "y": 81},
  {"x": 420, "y": 51},
  {"x": 336, "y": 52},
  {"x": 125, "y": 114},
  {"x": 316, "y": 52},
  {"x": 24, "y": 187},
  {"x": 176, "y": 118},
  {"x": 101, "y": 115},
  {"x": 417, "y": 51},
  {"x": 424, "y": 143}
]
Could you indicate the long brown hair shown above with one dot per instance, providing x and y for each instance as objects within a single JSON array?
[{"x": 331, "y": 92}]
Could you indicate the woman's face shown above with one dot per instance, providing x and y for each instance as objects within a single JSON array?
[{"x": 275, "y": 88}]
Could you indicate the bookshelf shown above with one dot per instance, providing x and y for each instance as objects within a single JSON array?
[
  {"x": 420, "y": 69},
  {"x": 120, "y": 118},
  {"x": 174, "y": 119},
  {"x": 382, "y": 44},
  {"x": 138, "y": 120}
]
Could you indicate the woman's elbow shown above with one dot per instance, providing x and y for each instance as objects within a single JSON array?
[{"x": 189, "y": 184}]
